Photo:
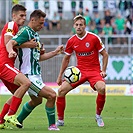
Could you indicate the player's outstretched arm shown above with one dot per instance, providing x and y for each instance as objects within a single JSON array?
[
  {"x": 64, "y": 65},
  {"x": 9, "y": 48},
  {"x": 51, "y": 54}
]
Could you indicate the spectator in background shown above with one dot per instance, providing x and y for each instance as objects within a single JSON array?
[
  {"x": 123, "y": 6},
  {"x": 46, "y": 7},
  {"x": 55, "y": 21},
  {"x": 36, "y": 6},
  {"x": 108, "y": 30},
  {"x": 73, "y": 7},
  {"x": 95, "y": 5},
  {"x": 96, "y": 19},
  {"x": 81, "y": 4},
  {"x": 120, "y": 27},
  {"x": 111, "y": 5},
  {"x": 87, "y": 19},
  {"x": 80, "y": 11},
  {"x": 107, "y": 16},
  {"x": 93, "y": 28},
  {"x": 60, "y": 8},
  {"x": 128, "y": 25},
  {"x": 73, "y": 31},
  {"x": 101, "y": 25}
]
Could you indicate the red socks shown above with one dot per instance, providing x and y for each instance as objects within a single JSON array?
[
  {"x": 14, "y": 105},
  {"x": 61, "y": 104},
  {"x": 100, "y": 101},
  {"x": 4, "y": 112}
]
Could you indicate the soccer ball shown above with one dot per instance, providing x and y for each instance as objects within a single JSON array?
[{"x": 72, "y": 74}]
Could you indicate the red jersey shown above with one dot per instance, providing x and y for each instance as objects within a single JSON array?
[
  {"x": 11, "y": 28},
  {"x": 86, "y": 49}
]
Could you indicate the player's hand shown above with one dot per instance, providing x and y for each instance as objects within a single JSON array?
[
  {"x": 42, "y": 50},
  {"x": 103, "y": 74},
  {"x": 59, "y": 49},
  {"x": 33, "y": 43},
  {"x": 59, "y": 80},
  {"x": 12, "y": 54}
]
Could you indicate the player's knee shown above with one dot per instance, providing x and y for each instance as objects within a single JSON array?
[
  {"x": 101, "y": 90},
  {"x": 52, "y": 96},
  {"x": 27, "y": 84},
  {"x": 61, "y": 92}
]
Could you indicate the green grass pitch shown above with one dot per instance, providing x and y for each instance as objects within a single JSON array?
[{"x": 79, "y": 116}]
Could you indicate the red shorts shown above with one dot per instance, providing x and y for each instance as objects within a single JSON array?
[
  {"x": 7, "y": 74},
  {"x": 91, "y": 76}
]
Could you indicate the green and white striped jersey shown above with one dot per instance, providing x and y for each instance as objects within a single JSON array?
[{"x": 28, "y": 57}]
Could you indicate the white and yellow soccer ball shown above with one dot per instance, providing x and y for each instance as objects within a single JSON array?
[{"x": 72, "y": 74}]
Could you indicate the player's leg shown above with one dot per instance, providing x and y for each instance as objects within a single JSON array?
[
  {"x": 11, "y": 87},
  {"x": 28, "y": 107},
  {"x": 100, "y": 101},
  {"x": 39, "y": 89},
  {"x": 4, "y": 111},
  {"x": 61, "y": 102},
  {"x": 12, "y": 75},
  {"x": 50, "y": 95}
]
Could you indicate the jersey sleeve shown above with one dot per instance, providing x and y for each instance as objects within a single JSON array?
[
  {"x": 11, "y": 28},
  {"x": 21, "y": 37},
  {"x": 68, "y": 49},
  {"x": 99, "y": 44}
]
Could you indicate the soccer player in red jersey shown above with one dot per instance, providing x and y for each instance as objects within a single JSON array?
[
  {"x": 87, "y": 47},
  {"x": 14, "y": 80}
]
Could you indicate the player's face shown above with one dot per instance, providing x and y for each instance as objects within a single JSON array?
[
  {"x": 38, "y": 24},
  {"x": 19, "y": 17},
  {"x": 79, "y": 26}
]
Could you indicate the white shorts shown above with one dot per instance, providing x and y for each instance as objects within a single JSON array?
[{"x": 37, "y": 84}]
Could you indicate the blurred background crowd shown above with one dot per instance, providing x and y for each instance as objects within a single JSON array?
[{"x": 103, "y": 17}]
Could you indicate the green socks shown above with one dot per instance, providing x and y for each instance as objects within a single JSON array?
[
  {"x": 51, "y": 115},
  {"x": 26, "y": 110}
]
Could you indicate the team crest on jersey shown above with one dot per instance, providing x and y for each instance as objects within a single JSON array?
[
  {"x": 87, "y": 44},
  {"x": 9, "y": 30}
]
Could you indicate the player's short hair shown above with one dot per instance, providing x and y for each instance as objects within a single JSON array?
[
  {"x": 17, "y": 8},
  {"x": 37, "y": 14},
  {"x": 79, "y": 17}
]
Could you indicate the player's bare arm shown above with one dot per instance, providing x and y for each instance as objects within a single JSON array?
[
  {"x": 64, "y": 65},
  {"x": 51, "y": 54},
  {"x": 30, "y": 44},
  {"x": 9, "y": 48},
  {"x": 104, "y": 63},
  {"x": 7, "y": 38}
]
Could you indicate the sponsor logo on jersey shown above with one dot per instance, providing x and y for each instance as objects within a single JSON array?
[
  {"x": 9, "y": 30},
  {"x": 86, "y": 53},
  {"x": 76, "y": 46}
]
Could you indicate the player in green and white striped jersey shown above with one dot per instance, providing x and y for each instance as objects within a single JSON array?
[{"x": 29, "y": 65}]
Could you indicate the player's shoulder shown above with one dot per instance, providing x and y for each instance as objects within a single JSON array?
[
  {"x": 11, "y": 24},
  {"x": 72, "y": 38}
]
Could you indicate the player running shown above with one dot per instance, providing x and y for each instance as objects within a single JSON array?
[
  {"x": 29, "y": 65},
  {"x": 87, "y": 47},
  {"x": 14, "y": 80}
]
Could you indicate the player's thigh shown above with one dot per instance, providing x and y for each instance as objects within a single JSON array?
[
  {"x": 10, "y": 86},
  {"x": 21, "y": 79},
  {"x": 8, "y": 72}
]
